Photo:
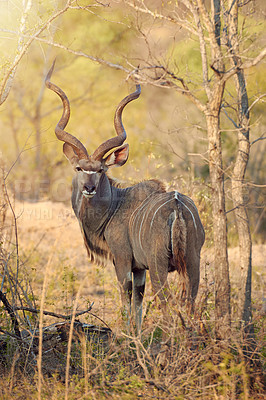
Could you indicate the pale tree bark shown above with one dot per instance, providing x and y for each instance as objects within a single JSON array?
[
  {"x": 222, "y": 279},
  {"x": 221, "y": 265},
  {"x": 244, "y": 313}
]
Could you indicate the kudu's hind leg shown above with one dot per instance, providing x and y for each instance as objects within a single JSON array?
[
  {"x": 139, "y": 278},
  {"x": 161, "y": 288},
  {"x": 192, "y": 282},
  {"x": 160, "y": 285}
]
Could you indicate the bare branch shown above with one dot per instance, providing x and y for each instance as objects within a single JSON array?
[
  {"x": 256, "y": 101},
  {"x": 230, "y": 119},
  {"x": 135, "y": 72},
  {"x": 203, "y": 51},
  {"x": 12, "y": 314},
  {"x": 10, "y": 73},
  {"x": 154, "y": 14},
  {"x": 216, "y": 51},
  {"x": 52, "y": 314},
  {"x": 82, "y": 54},
  {"x": 22, "y": 28},
  {"x": 256, "y": 140},
  {"x": 248, "y": 64},
  {"x": 163, "y": 81}
]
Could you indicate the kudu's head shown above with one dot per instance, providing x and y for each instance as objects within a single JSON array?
[{"x": 90, "y": 168}]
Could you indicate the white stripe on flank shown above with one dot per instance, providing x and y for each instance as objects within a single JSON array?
[
  {"x": 140, "y": 231},
  {"x": 141, "y": 212},
  {"x": 158, "y": 210},
  {"x": 178, "y": 199},
  {"x": 137, "y": 211},
  {"x": 192, "y": 203},
  {"x": 146, "y": 212}
]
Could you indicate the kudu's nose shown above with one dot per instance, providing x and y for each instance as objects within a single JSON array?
[{"x": 89, "y": 188}]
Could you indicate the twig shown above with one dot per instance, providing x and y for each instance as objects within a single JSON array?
[
  {"x": 52, "y": 314},
  {"x": 12, "y": 314},
  {"x": 182, "y": 320},
  {"x": 256, "y": 140},
  {"x": 43, "y": 294},
  {"x": 96, "y": 316},
  {"x": 16, "y": 231},
  {"x": 4, "y": 89},
  {"x": 70, "y": 340},
  {"x": 10, "y": 334}
]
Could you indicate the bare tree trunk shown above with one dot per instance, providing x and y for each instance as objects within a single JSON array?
[
  {"x": 238, "y": 186},
  {"x": 222, "y": 277},
  {"x": 239, "y": 203},
  {"x": 222, "y": 280}
]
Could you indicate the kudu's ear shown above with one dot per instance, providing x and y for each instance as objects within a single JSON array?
[
  {"x": 70, "y": 154},
  {"x": 118, "y": 157}
]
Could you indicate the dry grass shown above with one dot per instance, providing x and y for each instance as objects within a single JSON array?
[{"x": 53, "y": 265}]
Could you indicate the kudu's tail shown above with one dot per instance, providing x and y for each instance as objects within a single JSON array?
[{"x": 178, "y": 243}]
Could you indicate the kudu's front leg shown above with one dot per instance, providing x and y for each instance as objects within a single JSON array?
[{"x": 124, "y": 277}]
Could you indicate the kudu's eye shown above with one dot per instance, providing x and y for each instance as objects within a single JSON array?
[{"x": 78, "y": 169}]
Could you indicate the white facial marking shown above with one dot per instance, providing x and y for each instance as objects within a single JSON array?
[
  {"x": 89, "y": 172},
  {"x": 87, "y": 194}
]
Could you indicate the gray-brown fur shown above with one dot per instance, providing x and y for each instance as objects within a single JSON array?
[{"x": 139, "y": 228}]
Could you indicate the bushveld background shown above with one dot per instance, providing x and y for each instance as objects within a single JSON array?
[{"x": 44, "y": 264}]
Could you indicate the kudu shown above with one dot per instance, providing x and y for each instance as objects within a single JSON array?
[{"x": 139, "y": 227}]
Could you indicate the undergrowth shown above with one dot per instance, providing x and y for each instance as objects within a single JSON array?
[{"x": 177, "y": 357}]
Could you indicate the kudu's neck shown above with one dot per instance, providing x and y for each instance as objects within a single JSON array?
[{"x": 97, "y": 211}]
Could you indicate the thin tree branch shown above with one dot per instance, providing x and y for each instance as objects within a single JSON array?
[
  {"x": 154, "y": 14},
  {"x": 12, "y": 314},
  {"x": 216, "y": 51},
  {"x": 203, "y": 52},
  {"x": 230, "y": 119},
  {"x": 256, "y": 101},
  {"x": 22, "y": 28},
  {"x": 256, "y": 140},
  {"x": 82, "y": 54},
  {"x": 52, "y": 314},
  {"x": 245, "y": 65},
  {"x": 5, "y": 87}
]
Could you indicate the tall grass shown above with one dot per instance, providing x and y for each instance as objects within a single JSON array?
[{"x": 191, "y": 363}]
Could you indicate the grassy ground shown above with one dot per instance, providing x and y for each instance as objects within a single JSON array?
[{"x": 191, "y": 365}]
